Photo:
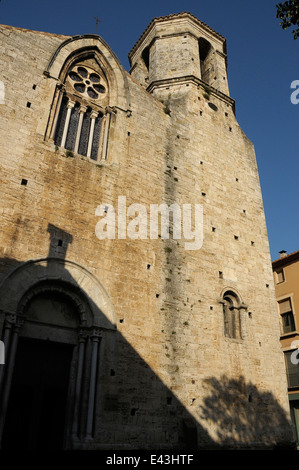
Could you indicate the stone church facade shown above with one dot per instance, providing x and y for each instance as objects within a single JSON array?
[{"x": 119, "y": 335}]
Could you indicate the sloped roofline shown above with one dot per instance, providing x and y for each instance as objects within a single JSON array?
[
  {"x": 44, "y": 33},
  {"x": 169, "y": 17},
  {"x": 285, "y": 259}
]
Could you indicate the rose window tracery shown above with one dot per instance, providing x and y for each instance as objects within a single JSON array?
[
  {"x": 82, "y": 121},
  {"x": 87, "y": 82}
]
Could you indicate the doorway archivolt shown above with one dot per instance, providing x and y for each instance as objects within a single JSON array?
[{"x": 59, "y": 308}]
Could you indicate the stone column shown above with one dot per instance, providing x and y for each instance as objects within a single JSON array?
[
  {"x": 8, "y": 324},
  {"x": 60, "y": 96},
  {"x": 95, "y": 338},
  {"x": 9, "y": 369},
  {"x": 78, "y": 389},
  {"x": 105, "y": 138},
  {"x": 82, "y": 111},
  {"x": 93, "y": 117},
  {"x": 69, "y": 106}
]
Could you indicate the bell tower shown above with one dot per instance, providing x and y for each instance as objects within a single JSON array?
[{"x": 179, "y": 46}]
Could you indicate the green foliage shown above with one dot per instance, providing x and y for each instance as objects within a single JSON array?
[{"x": 288, "y": 13}]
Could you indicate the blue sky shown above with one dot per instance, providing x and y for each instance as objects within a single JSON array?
[{"x": 262, "y": 63}]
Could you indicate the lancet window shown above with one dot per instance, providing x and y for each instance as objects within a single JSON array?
[{"x": 82, "y": 118}]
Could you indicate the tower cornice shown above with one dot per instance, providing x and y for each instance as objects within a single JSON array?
[{"x": 172, "y": 17}]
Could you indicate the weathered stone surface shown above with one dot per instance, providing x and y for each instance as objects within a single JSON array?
[{"x": 173, "y": 138}]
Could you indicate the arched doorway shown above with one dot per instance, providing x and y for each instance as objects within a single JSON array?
[
  {"x": 53, "y": 331},
  {"x": 37, "y": 411}
]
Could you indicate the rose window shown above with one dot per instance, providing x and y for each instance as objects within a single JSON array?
[{"x": 87, "y": 82}]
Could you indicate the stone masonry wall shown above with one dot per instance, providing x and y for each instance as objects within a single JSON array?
[{"x": 171, "y": 358}]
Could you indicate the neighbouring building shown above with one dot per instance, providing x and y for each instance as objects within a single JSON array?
[
  {"x": 137, "y": 303},
  {"x": 286, "y": 279}
]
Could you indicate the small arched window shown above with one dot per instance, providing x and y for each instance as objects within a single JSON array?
[
  {"x": 206, "y": 62},
  {"x": 231, "y": 315},
  {"x": 145, "y": 57},
  {"x": 81, "y": 118}
]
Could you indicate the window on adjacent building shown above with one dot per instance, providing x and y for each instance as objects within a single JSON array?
[
  {"x": 279, "y": 276},
  {"x": 292, "y": 368},
  {"x": 287, "y": 316}
]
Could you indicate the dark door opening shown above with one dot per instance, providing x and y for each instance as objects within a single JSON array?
[{"x": 36, "y": 410}]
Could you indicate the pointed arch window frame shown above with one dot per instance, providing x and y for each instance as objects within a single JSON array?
[{"x": 100, "y": 116}]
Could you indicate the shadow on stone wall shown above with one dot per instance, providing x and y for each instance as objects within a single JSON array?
[
  {"x": 242, "y": 414},
  {"x": 135, "y": 410}
]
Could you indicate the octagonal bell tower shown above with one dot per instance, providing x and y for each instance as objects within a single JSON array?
[{"x": 178, "y": 46}]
